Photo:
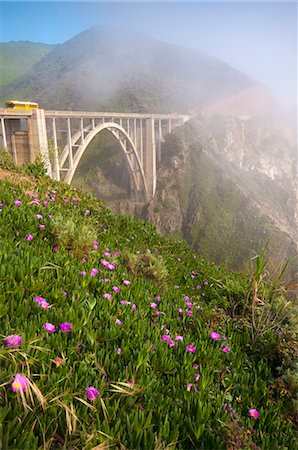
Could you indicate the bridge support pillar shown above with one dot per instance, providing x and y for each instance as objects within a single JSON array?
[
  {"x": 38, "y": 139},
  {"x": 150, "y": 158}
]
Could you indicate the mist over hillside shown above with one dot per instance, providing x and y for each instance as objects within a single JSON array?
[
  {"x": 104, "y": 69},
  {"x": 241, "y": 138}
]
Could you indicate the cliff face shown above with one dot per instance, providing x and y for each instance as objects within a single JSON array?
[{"x": 227, "y": 185}]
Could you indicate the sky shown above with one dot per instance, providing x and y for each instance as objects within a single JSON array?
[{"x": 258, "y": 38}]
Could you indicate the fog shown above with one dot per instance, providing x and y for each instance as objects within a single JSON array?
[{"x": 258, "y": 38}]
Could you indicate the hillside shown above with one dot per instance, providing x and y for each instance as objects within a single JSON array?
[
  {"x": 242, "y": 147},
  {"x": 115, "y": 335},
  {"x": 104, "y": 69},
  {"x": 16, "y": 58}
]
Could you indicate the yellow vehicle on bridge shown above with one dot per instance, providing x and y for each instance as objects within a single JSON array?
[{"x": 16, "y": 105}]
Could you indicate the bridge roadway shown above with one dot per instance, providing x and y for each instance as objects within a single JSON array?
[{"x": 26, "y": 134}]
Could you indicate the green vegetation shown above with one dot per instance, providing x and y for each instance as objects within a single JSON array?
[
  {"x": 113, "y": 336},
  {"x": 16, "y": 58}
]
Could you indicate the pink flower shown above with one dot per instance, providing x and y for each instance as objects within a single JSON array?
[
  {"x": 199, "y": 287},
  {"x": 116, "y": 253},
  {"x": 17, "y": 202},
  {"x": 42, "y": 302},
  {"x": 95, "y": 245},
  {"x": 215, "y": 336},
  {"x": 29, "y": 237},
  {"x": 39, "y": 216},
  {"x": 189, "y": 386},
  {"x": 180, "y": 312},
  {"x": 197, "y": 377},
  {"x": 55, "y": 249},
  {"x": 133, "y": 307},
  {"x": 42, "y": 227},
  {"x": 111, "y": 266},
  {"x": 191, "y": 348},
  {"x": 196, "y": 366},
  {"x": 153, "y": 305},
  {"x": 87, "y": 212},
  {"x": 179, "y": 338},
  {"x": 45, "y": 203},
  {"x": 58, "y": 361},
  {"x": 118, "y": 322},
  {"x": 115, "y": 289},
  {"x": 225, "y": 349},
  {"x": 126, "y": 282},
  {"x": 107, "y": 296},
  {"x": 171, "y": 343},
  {"x": 189, "y": 304},
  {"x": 49, "y": 327},
  {"x": 119, "y": 350},
  {"x": 93, "y": 272},
  {"x": 91, "y": 393},
  {"x": 20, "y": 383},
  {"x": 189, "y": 312},
  {"x": 83, "y": 273},
  {"x": 254, "y": 413},
  {"x": 13, "y": 340},
  {"x": 65, "y": 327},
  {"x": 165, "y": 338}
]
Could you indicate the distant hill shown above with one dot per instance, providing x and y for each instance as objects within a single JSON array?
[
  {"x": 16, "y": 58},
  {"x": 105, "y": 69}
]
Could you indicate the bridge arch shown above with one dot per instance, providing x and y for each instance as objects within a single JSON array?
[{"x": 126, "y": 143}]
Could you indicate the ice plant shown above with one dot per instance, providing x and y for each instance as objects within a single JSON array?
[
  {"x": 65, "y": 327},
  {"x": 91, "y": 393},
  {"x": 58, "y": 361},
  {"x": 20, "y": 383},
  {"x": 179, "y": 338},
  {"x": 49, "y": 327},
  {"x": 215, "y": 336},
  {"x": 93, "y": 272},
  {"x": 126, "y": 282},
  {"x": 29, "y": 237},
  {"x": 254, "y": 413},
  {"x": 107, "y": 296},
  {"x": 225, "y": 349},
  {"x": 17, "y": 202},
  {"x": 39, "y": 216},
  {"x": 118, "y": 322},
  {"x": 191, "y": 348},
  {"x": 42, "y": 227},
  {"x": 13, "y": 340}
]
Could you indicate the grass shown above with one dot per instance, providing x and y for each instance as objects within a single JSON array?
[{"x": 153, "y": 393}]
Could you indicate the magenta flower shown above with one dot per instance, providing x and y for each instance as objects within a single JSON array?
[
  {"x": 116, "y": 253},
  {"x": 17, "y": 202},
  {"x": 180, "y": 312},
  {"x": 39, "y": 216},
  {"x": 29, "y": 237},
  {"x": 118, "y": 322},
  {"x": 107, "y": 296},
  {"x": 87, "y": 212},
  {"x": 119, "y": 350},
  {"x": 42, "y": 302},
  {"x": 105, "y": 263},
  {"x": 133, "y": 307},
  {"x": 215, "y": 336},
  {"x": 83, "y": 273},
  {"x": 45, "y": 203},
  {"x": 189, "y": 386},
  {"x": 197, "y": 377},
  {"x": 93, "y": 272},
  {"x": 165, "y": 338},
  {"x": 189, "y": 304},
  {"x": 171, "y": 343},
  {"x": 42, "y": 227},
  {"x": 65, "y": 327},
  {"x": 13, "y": 340},
  {"x": 115, "y": 289},
  {"x": 20, "y": 383},
  {"x": 179, "y": 338},
  {"x": 126, "y": 282},
  {"x": 55, "y": 249},
  {"x": 196, "y": 366},
  {"x": 189, "y": 312},
  {"x": 91, "y": 393},
  {"x": 254, "y": 413},
  {"x": 191, "y": 348},
  {"x": 153, "y": 305},
  {"x": 49, "y": 327},
  {"x": 225, "y": 349},
  {"x": 111, "y": 266}
]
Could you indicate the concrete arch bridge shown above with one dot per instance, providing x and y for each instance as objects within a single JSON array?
[{"x": 62, "y": 137}]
